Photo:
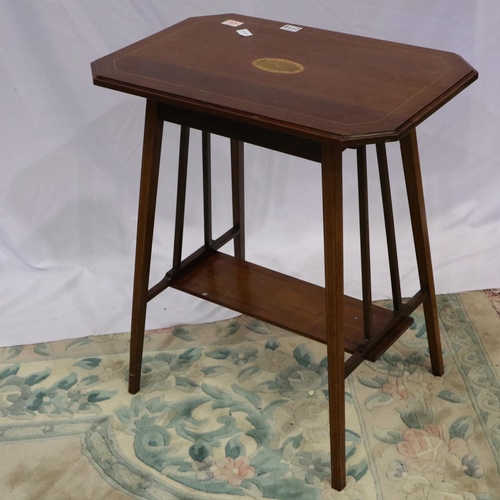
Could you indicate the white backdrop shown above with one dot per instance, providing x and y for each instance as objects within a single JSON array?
[{"x": 70, "y": 159}]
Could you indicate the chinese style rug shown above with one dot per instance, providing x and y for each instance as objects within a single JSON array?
[{"x": 238, "y": 410}]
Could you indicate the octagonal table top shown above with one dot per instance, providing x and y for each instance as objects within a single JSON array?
[{"x": 315, "y": 83}]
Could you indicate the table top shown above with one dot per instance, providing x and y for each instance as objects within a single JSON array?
[{"x": 314, "y": 83}]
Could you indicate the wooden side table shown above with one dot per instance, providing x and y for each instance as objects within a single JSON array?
[{"x": 305, "y": 92}]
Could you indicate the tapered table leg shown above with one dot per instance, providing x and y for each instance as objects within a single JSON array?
[
  {"x": 334, "y": 286},
  {"x": 153, "y": 130},
  {"x": 238, "y": 190},
  {"x": 414, "y": 188}
]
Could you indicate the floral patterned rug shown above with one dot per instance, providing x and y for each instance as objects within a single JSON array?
[{"x": 238, "y": 409}]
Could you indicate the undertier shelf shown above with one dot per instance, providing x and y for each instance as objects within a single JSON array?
[{"x": 276, "y": 298}]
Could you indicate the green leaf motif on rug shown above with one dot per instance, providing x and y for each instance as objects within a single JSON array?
[
  {"x": 375, "y": 382},
  {"x": 234, "y": 448},
  {"x": 376, "y": 400},
  {"x": 272, "y": 344},
  {"x": 221, "y": 353},
  {"x": 191, "y": 355},
  {"x": 462, "y": 428},
  {"x": 248, "y": 373},
  {"x": 67, "y": 382},
  {"x": 185, "y": 333},
  {"x": 8, "y": 353},
  {"x": 43, "y": 349},
  {"x": 215, "y": 371},
  {"x": 88, "y": 381},
  {"x": 450, "y": 396},
  {"x": 269, "y": 386},
  {"x": 78, "y": 344},
  {"x": 200, "y": 450},
  {"x": 416, "y": 415},
  {"x": 248, "y": 395},
  {"x": 9, "y": 371},
  {"x": 185, "y": 384},
  {"x": 36, "y": 378},
  {"x": 98, "y": 396},
  {"x": 88, "y": 363},
  {"x": 390, "y": 436},
  {"x": 303, "y": 355},
  {"x": 422, "y": 332},
  {"x": 258, "y": 327},
  {"x": 290, "y": 446},
  {"x": 229, "y": 329},
  {"x": 358, "y": 471}
]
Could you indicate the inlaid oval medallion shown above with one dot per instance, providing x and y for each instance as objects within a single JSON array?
[{"x": 275, "y": 65}]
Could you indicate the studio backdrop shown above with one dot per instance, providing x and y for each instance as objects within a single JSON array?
[{"x": 70, "y": 157}]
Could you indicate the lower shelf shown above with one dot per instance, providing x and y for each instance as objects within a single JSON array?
[{"x": 276, "y": 298}]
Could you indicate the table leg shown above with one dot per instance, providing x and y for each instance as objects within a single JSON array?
[
  {"x": 331, "y": 165},
  {"x": 153, "y": 131},
  {"x": 414, "y": 188},
  {"x": 238, "y": 189}
]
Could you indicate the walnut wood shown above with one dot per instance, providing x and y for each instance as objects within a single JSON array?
[
  {"x": 398, "y": 324},
  {"x": 151, "y": 152},
  {"x": 353, "y": 362},
  {"x": 331, "y": 173},
  {"x": 238, "y": 196},
  {"x": 390, "y": 232},
  {"x": 364, "y": 232},
  {"x": 414, "y": 188},
  {"x": 249, "y": 133},
  {"x": 382, "y": 89},
  {"x": 207, "y": 187},
  {"x": 352, "y": 91},
  {"x": 195, "y": 257},
  {"x": 276, "y": 298}
]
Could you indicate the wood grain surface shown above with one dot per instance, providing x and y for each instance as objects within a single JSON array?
[{"x": 351, "y": 86}]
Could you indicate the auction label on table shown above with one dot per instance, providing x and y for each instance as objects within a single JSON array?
[
  {"x": 290, "y": 27},
  {"x": 230, "y": 22},
  {"x": 244, "y": 32}
]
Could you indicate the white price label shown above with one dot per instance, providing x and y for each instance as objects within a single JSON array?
[
  {"x": 244, "y": 32},
  {"x": 289, "y": 27},
  {"x": 230, "y": 22}
]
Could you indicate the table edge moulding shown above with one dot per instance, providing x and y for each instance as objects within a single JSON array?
[{"x": 306, "y": 92}]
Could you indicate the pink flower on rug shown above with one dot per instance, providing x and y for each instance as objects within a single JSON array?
[
  {"x": 494, "y": 296},
  {"x": 429, "y": 449},
  {"x": 233, "y": 471},
  {"x": 396, "y": 388}
]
